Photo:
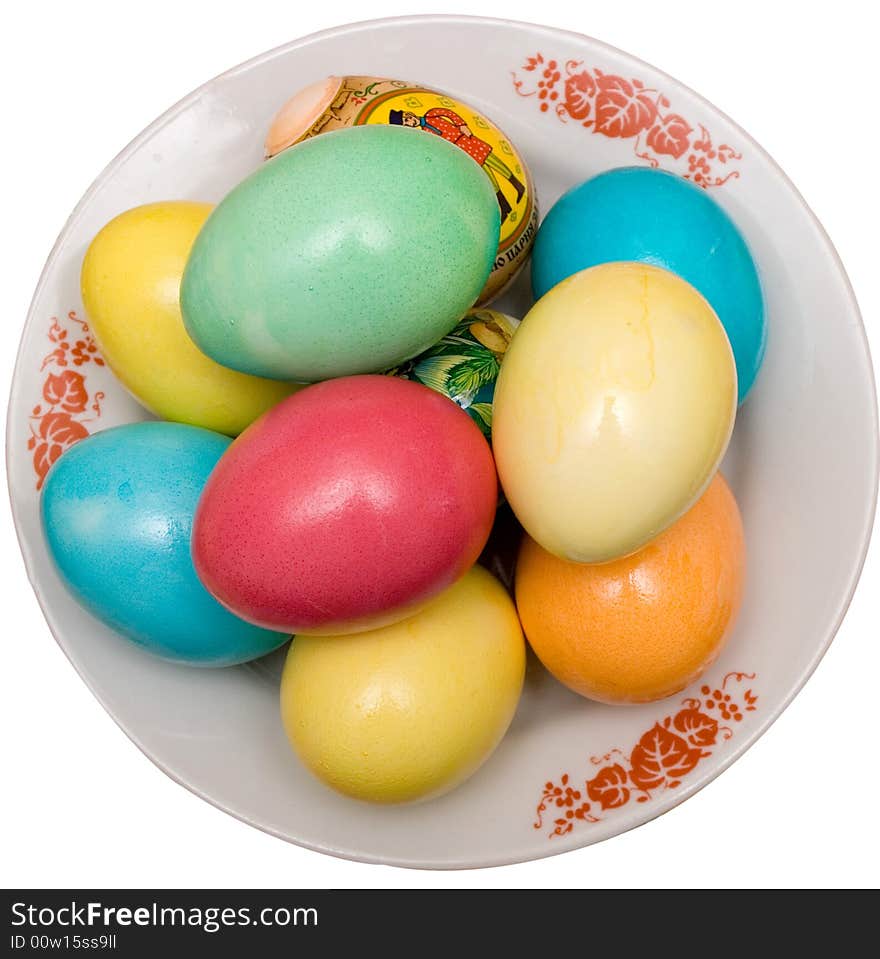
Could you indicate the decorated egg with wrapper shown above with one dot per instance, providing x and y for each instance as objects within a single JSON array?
[{"x": 464, "y": 365}]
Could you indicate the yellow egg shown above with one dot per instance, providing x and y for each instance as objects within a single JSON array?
[
  {"x": 613, "y": 408},
  {"x": 130, "y": 288},
  {"x": 411, "y": 710}
]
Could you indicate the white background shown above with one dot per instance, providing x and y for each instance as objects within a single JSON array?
[{"x": 80, "y": 806}]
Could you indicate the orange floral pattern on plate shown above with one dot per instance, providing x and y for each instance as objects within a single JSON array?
[
  {"x": 624, "y": 108},
  {"x": 666, "y": 753},
  {"x": 59, "y": 419}
]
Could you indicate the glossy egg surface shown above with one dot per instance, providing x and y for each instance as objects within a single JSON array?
[
  {"x": 613, "y": 408},
  {"x": 411, "y": 710},
  {"x": 338, "y": 102},
  {"x": 348, "y": 253},
  {"x": 345, "y": 507},
  {"x": 117, "y": 511},
  {"x": 131, "y": 291},
  {"x": 643, "y": 627},
  {"x": 652, "y": 216}
]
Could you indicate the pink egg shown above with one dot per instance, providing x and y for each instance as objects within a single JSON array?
[{"x": 345, "y": 507}]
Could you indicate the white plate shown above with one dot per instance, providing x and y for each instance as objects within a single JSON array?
[{"x": 803, "y": 463}]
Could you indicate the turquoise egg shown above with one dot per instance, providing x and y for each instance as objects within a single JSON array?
[
  {"x": 348, "y": 253},
  {"x": 651, "y": 216},
  {"x": 117, "y": 511}
]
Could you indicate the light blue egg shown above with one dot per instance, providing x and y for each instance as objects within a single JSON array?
[
  {"x": 636, "y": 213},
  {"x": 117, "y": 512}
]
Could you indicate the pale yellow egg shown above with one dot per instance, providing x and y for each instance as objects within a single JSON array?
[
  {"x": 613, "y": 408},
  {"x": 408, "y": 711},
  {"x": 130, "y": 287}
]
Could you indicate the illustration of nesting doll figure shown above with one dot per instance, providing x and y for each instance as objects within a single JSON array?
[{"x": 446, "y": 123}]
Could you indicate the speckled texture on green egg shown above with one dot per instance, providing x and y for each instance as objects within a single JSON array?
[{"x": 349, "y": 253}]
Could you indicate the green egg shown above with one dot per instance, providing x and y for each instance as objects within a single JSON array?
[{"x": 350, "y": 253}]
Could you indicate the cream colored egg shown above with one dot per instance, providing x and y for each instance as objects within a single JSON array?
[
  {"x": 613, "y": 408},
  {"x": 408, "y": 711}
]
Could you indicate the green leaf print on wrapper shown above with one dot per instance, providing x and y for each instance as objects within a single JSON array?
[
  {"x": 482, "y": 413},
  {"x": 471, "y": 374},
  {"x": 464, "y": 365},
  {"x": 433, "y": 371}
]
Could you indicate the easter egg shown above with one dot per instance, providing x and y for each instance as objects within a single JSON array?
[
  {"x": 643, "y": 627},
  {"x": 349, "y": 254},
  {"x": 117, "y": 512},
  {"x": 339, "y": 102},
  {"x": 464, "y": 364},
  {"x": 130, "y": 287},
  {"x": 613, "y": 408},
  {"x": 408, "y": 711},
  {"x": 636, "y": 213},
  {"x": 345, "y": 507}
]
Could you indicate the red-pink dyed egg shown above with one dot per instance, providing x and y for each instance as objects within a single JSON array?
[{"x": 345, "y": 507}]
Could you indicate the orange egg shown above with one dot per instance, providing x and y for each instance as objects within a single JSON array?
[{"x": 645, "y": 626}]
